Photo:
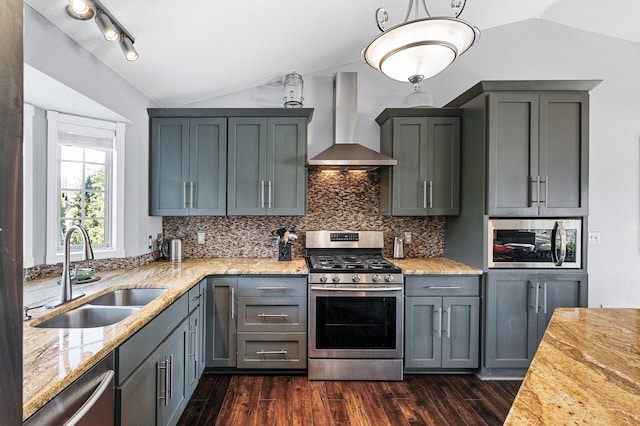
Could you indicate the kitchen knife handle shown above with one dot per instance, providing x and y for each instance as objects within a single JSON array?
[
  {"x": 269, "y": 194},
  {"x": 430, "y": 194},
  {"x": 424, "y": 194},
  {"x": 262, "y": 194}
]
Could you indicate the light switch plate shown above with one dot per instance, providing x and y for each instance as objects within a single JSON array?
[{"x": 594, "y": 237}]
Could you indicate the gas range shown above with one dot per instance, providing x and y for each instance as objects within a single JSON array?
[{"x": 349, "y": 257}]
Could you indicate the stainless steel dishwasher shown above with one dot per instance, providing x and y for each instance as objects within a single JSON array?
[{"x": 87, "y": 401}]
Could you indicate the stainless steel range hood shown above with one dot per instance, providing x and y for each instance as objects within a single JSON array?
[{"x": 345, "y": 153}]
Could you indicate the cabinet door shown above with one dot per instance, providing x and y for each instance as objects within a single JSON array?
[
  {"x": 208, "y": 166},
  {"x": 221, "y": 322},
  {"x": 513, "y": 154},
  {"x": 423, "y": 332},
  {"x": 286, "y": 167},
  {"x": 247, "y": 160},
  {"x": 563, "y": 154},
  {"x": 443, "y": 166},
  {"x": 511, "y": 320},
  {"x": 172, "y": 376},
  {"x": 202, "y": 330},
  {"x": 560, "y": 290},
  {"x": 137, "y": 398},
  {"x": 461, "y": 332},
  {"x": 169, "y": 166},
  {"x": 192, "y": 359},
  {"x": 409, "y": 179}
]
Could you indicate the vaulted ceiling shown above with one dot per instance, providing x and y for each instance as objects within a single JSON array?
[{"x": 196, "y": 50}]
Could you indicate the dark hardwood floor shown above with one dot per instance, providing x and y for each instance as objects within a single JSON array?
[{"x": 293, "y": 400}]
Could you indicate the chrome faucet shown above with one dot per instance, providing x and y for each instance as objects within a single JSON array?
[{"x": 66, "y": 280}]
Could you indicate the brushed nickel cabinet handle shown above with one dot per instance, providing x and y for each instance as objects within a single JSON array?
[
  {"x": 279, "y": 352},
  {"x": 430, "y": 194},
  {"x": 269, "y": 199},
  {"x": 424, "y": 194},
  {"x": 272, "y": 315}
]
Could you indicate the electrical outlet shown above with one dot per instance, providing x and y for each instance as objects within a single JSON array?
[
  {"x": 407, "y": 237},
  {"x": 594, "y": 237},
  {"x": 200, "y": 237},
  {"x": 150, "y": 245},
  {"x": 605, "y": 305}
]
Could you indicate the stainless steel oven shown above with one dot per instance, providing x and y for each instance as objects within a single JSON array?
[
  {"x": 356, "y": 308},
  {"x": 535, "y": 243}
]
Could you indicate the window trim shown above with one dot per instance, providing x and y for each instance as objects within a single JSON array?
[
  {"x": 28, "y": 260},
  {"x": 55, "y": 121}
]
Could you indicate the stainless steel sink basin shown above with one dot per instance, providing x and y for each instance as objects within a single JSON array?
[
  {"x": 87, "y": 316},
  {"x": 128, "y": 297}
]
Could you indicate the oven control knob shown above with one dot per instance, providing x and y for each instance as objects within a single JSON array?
[
  {"x": 335, "y": 279},
  {"x": 323, "y": 279},
  {"x": 388, "y": 278},
  {"x": 355, "y": 278},
  {"x": 375, "y": 278}
]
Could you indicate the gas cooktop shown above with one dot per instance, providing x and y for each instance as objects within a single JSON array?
[{"x": 350, "y": 263}]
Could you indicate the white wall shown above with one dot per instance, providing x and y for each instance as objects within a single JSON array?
[
  {"x": 532, "y": 49},
  {"x": 51, "y": 52}
]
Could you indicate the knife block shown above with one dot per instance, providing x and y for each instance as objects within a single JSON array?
[{"x": 284, "y": 251}]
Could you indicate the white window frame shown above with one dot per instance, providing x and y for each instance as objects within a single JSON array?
[
  {"x": 27, "y": 187},
  {"x": 55, "y": 122}
]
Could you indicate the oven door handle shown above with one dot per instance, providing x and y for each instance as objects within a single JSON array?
[{"x": 358, "y": 289}]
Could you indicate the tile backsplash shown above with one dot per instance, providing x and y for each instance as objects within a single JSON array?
[{"x": 335, "y": 201}]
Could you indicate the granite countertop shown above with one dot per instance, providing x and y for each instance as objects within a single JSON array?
[
  {"x": 54, "y": 358},
  {"x": 586, "y": 371},
  {"x": 435, "y": 266}
]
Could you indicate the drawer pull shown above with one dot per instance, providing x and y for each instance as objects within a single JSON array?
[
  {"x": 442, "y": 287},
  {"x": 194, "y": 298},
  {"x": 281, "y": 288},
  {"x": 272, "y": 315},
  {"x": 280, "y": 352}
]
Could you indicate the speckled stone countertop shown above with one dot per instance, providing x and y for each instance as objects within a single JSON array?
[
  {"x": 54, "y": 358},
  {"x": 586, "y": 371},
  {"x": 435, "y": 266}
]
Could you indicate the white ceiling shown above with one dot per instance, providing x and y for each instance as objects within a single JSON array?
[{"x": 196, "y": 50}]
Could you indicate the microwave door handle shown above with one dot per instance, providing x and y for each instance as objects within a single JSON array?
[{"x": 558, "y": 259}]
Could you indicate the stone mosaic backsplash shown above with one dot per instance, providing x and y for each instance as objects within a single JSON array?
[{"x": 335, "y": 201}]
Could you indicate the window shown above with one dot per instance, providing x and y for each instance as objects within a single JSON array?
[{"x": 85, "y": 185}]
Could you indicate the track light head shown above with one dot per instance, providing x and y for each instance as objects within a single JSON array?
[
  {"x": 80, "y": 9},
  {"x": 106, "y": 26},
  {"x": 127, "y": 47}
]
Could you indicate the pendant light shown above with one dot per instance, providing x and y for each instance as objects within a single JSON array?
[{"x": 420, "y": 48}]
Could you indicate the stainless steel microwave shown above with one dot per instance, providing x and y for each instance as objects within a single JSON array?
[{"x": 535, "y": 243}]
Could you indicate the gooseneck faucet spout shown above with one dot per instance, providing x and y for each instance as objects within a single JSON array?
[{"x": 66, "y": 281}]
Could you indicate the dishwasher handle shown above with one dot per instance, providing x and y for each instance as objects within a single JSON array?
[{"x": 105, "y": 385}]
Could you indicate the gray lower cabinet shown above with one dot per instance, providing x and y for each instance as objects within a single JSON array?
[
  {"x": 220, "y": 321},
  {"x": 188, "y": 166},
  {"x": 272, "y": 322},
  {"x": 426, "y": 181},
  {"x": 518, "y": 307},
  {"x": 538, "y": 154},
  {"x": 194, "y": 362},
  {"x": 151, "y": 381},
  {"x": 257, "y": 322},
  {"x": 442, "y": 322},
  {"x": 267, "y": 166}
]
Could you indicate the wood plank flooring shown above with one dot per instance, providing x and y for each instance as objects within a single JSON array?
[{"x": 249, "y": 400}]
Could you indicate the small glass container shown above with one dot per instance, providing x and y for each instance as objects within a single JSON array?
[{"x": 293, "y": 90}]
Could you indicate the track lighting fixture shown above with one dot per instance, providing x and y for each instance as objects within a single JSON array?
[{"x": 111, "y": 29}]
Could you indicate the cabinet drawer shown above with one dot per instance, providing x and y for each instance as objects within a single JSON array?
[
  {"x": 272, "y": 286},
  {"x": 272, "y": 314},
  {"x": 272, "y": 350},
  {"x": 194, "y": 297},
  {"x": 428, "y": 285}
]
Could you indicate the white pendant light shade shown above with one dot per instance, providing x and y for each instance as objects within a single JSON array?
[{"x": 420, "y": 49}]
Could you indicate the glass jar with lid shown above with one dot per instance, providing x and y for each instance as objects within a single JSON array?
[{"x": 293, "y": 90}]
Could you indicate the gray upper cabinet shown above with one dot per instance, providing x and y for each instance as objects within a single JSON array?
[
  {"x": 187, "y": 166},
  {"x": 426, "y": 181},
  {"x": 538, "y": 154},
  {"x": 267, "y": 166}
]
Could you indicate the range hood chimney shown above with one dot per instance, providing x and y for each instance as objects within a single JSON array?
[{"x": 345, "y": 153}]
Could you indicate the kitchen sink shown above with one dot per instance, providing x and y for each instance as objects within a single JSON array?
[
  {"x": 87, "y": 316},
  {"x": 128, "y": 297}
]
